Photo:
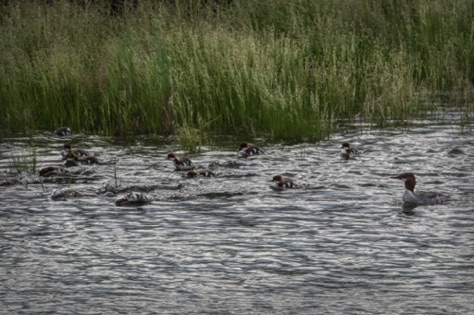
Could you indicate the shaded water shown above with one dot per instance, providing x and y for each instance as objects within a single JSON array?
[{"x": 231, "y": 245}]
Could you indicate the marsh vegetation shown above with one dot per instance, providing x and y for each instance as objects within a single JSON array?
[{"x": 286, "y": 69}]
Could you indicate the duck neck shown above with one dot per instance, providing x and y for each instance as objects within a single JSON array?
[{"x": 410, "y": 184}]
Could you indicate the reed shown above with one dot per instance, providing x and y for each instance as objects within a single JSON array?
[
  {"x": 285, "y": 70},
  {"x": 24, "y": 162}
]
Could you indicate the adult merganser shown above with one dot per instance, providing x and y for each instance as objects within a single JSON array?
[
  {"x": 248, "y": 149},
  {"x": 200, "y": 172},
  {"x": 348, "y": 151},
  {"x": 63, "y": 131},
  {"x": 282, "y": 183},
  {"x": 180, "y": 162},
  {"x": 420, "y": 197},
  {"x": 133, "y": 199}
]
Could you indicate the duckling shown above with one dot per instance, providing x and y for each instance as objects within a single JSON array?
[
  {"x": 200, "y": 172},
  {"x": 63, "y": 131},
  {"x": 181, "y": 163},
  {"x": 282, "y": 183},
  {"x": 249, "y": 149}
]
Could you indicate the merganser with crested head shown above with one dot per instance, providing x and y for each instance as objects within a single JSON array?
[
  {"x": 282, "y": 183},
  {"x": 420, "y": 197},
  {"x": 180, "y": 162},
  {"x": 348, "y": 151},
  {"x": 63, "y": 131},
  {"x": 249, "y": 149},
  {"x": 133, "y": 199},
  {"x": 200, "y": 172}
]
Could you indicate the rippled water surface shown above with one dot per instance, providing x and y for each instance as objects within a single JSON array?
[{"x": 341, "y": 244}]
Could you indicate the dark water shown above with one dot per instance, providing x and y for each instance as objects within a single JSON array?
[{"x": 341, "y": 244}]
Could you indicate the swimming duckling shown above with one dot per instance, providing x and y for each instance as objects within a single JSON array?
[
  {"x": 282, "y": 183},
  {"x": 249, "y": 149},
  {"x": 180, "y": 162}
]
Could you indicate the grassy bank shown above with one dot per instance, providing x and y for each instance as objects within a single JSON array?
[{"x": 288, "y": 69}]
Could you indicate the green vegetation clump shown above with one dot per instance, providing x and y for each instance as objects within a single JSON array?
[
  {"x": 24, "y": 162},
  {"x": 286, "y": 69}
]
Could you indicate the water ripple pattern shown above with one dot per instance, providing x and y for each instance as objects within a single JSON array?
[{"x": 340, "y": 244}]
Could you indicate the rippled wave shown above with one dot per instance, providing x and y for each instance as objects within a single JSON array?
[{"x": 341, "y": 244}]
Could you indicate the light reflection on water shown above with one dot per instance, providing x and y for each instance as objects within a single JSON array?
[{"x": 231, "y": 245}]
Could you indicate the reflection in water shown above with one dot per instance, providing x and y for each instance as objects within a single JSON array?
[{"x": 343, "y": 243}]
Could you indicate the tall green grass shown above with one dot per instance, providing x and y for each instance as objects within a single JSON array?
[
  {"x": 284, "y": 69},
  {"x": 25, "y": 161}
]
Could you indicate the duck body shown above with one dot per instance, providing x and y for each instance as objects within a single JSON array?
[
  {"x": 348, "y": 151},
  {"x": 423, "y": 198},
  {"x": 70, "y": 153},
  {"x": 249, "y": 149},
  {"x": 282, "y": 183},
  {"x": 200, "y": 173},
  {"x": 133, "y": 199},
  {"x": 181, "y": 163},
  {"x": 63, "y": 194},
  {"x": 76, "y": 157},
  {"x": 52, "y": 170},
  {"x": 87, "y": 160},
  {"x": 419, "y": 197},
  {"x": 63, "y": 131}
]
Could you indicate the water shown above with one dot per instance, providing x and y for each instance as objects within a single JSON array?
[{"x": 342, "y": 244}]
